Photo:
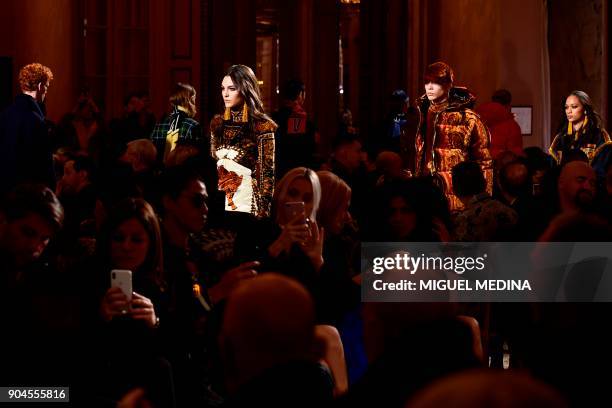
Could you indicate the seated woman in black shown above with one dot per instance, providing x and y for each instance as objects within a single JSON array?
[
  {"x": 130, "y": 239},
  {"x": 292, "y": 243}
]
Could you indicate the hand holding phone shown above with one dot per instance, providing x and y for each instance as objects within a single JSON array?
[
  {"x": 296, "y": 230},
  {"x": 118, "y": 298},
  {"x": 293, "y": 209},
  {"x": 122, "y": 279}
]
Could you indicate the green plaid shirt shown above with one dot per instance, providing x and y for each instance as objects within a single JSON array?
[{"x": 190, "y": 132}]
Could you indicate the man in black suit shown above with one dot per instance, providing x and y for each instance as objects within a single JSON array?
[{"x": 25, "y": 148}]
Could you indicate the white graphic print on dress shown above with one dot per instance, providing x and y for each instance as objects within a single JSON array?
[{"x": 240, "y": 198}]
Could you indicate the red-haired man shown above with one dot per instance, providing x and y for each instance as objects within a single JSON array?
[{"x": 25, "y": 148}]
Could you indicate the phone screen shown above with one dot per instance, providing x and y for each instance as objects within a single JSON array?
[
  {"x": 122, "y": 279},
  {"x": 292, "y": 209}
]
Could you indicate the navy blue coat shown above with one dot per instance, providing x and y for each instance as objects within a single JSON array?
[{"x": 25, "y": 148}]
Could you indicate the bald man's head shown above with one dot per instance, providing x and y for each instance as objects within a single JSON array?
[
  {"x": 514, "y": 179},
  {"x": 488, "y": 388},
  {"x": 576, "y": 186},
  {"x": 269, "y": 320}
]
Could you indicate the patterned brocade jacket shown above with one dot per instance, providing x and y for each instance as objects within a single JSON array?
[
  {"x": 244, "y": 152},
  {"x": 591, "y": 142},
  {"x": 458, "y": 135}
]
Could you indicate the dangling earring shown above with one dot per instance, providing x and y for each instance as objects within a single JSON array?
[
  {"x": 570, "y": 128},
  {"x": 226, "y": 114}
]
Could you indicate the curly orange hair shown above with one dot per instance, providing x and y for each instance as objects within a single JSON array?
[{"x": 32, "y": 74}]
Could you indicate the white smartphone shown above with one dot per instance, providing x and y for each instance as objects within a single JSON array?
[
  {"x": 122, "y": 278},
  {"x": 293, "y": 208}
]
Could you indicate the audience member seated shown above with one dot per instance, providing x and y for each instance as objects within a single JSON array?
[
  {"x": 514, "y": 191},
  {"x": 347, "y": 162},
  {"x": 60, "y": 157},
  {"x": 389, "y": 165},
  {"x": 577, "y": 187},
  {"x": 269, "y": 347},
  {"x": 488, "y": 388},
  {"x": 339, "y": 300},
  {"x": 539, "y": 164},
  {"x": 408, "y": 346},
  {"x": 339, "y": 292},
  {"x": 83, "y": 129},
  {"x": 502, "y": 159},
  {"x": 566, "y": 341},
  {"x": 78, "y": 195},
  {"x": 413, "y": 210},
  {"x": 36, "y": 305},
  {"x": 292, "y": 244},
  {"x": 130, "y": 240},
  {"x": 483, "y": 218},
  {"x": 141, "y": 154},
  {"x": 136, "y": 123},
  {"x": 190, "y": 333}
]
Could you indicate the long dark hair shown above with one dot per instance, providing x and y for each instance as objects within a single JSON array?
[
  {"x": 245, "y": 81},
  {"x": 594, "y": 122},
  {"x": 135, "y": 208}
]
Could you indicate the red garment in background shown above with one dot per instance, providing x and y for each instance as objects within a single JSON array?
[{"x": 505, "y": 132}]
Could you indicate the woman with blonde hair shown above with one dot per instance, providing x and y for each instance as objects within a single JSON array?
[{"x": 292, "y": 243}]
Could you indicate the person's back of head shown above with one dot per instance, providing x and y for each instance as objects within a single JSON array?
[
  {"x": 141, "y": 154},
  {"x": 34, "y": 80},
  {"x": 487, "y": 388},
  {"x": 514, "y": 179},
  {"x": 574, "y": 155},
  {"x": 389, "y": 164},
  {"x": 335, "y": 199},
  {"x": 292, "y": 89},
  {"x": 398, "y": 100},
  {"x": 84, "y": 163},
  {"x": 502, "y": 96},
  {"x": 268, "y": 321},
  {"x": 181, "y": 154},
  {"x": 468, "y": 179},
  {"x": 184, "y": 96},
  {"x": 347, "y": 151},
  {"x": 384, "y": 324},
  {"x": 504, "y": 158}
]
